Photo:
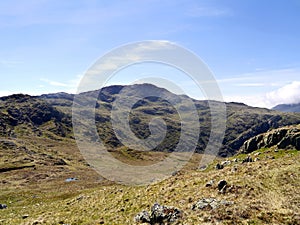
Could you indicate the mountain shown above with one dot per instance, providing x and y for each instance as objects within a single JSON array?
[
  {"x": 50, "y": 116},
  {"x": 44, "y": 178},
  {"x": 287, "y": 107}
]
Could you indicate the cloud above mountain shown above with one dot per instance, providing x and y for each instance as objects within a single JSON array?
[{"x": 287, "y": 94}]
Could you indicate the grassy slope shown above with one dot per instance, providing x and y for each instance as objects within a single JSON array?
[{"x": 265, "y": 192}]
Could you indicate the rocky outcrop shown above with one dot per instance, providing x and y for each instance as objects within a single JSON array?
[
  {"x": 160, "y": 214},
  {"x": 286, "y": 137},
  {"x": 210, "y": 203}
]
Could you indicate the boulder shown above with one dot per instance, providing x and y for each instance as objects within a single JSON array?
[{"x": 160, "y": 214}]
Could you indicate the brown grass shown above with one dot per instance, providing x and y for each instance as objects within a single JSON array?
[{"x": 263, "y": 192}]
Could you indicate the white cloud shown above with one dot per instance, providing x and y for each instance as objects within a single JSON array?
[
  {"x": 69, "y": 86},
  {"x": 10, "y": 62},
  {"x": 287, "y": 94},
  {"x": 54, "y": 83}
]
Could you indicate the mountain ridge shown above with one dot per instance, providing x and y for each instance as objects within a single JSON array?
[
  {"x": 50, "y": 115},
  {"x": 287, "y": 107}
]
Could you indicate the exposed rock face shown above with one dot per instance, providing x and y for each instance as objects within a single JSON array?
[{"x": 282, "y": 138}]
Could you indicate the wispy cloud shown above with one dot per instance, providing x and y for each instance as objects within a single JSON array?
[
  {"x": 54, "y": 83},
  {"x": 207, "y": 11},
  {"x": 250, "y": 84},
  {"x": 263, "y": 88},
  {"x": 69, "y": 86},
  {"x": 122, "y": 57},
  {"x": 10, "y": 63}
]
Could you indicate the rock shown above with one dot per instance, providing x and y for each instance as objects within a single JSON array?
[
  {"x": 203, "y": 167},
  {"x": 256, "y": 159},
  {"x": 219, "y": 166},
  {"x": 283, "y": 138},
  {"x": 226, "y": 163},
  {"x": 25, "y": 216},
  {"x": 59, "y": 162},
  {"x": 222, "y": 184},
  {"x": 71, "y": 179},
  {"x": 159, "y": 215},
  {"x": 256, "y": 154},
  {"x": 142, "y": 217},
  {"x": 234, "y": 169},
  {"x": 209, "y": 183},
  {"x": 248, "y": 159},
  {"x": 210, "y": 203},
  {"x": 3, "y": 206}
]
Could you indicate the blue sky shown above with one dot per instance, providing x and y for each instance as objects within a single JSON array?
[{"x": 251, "y": 46}]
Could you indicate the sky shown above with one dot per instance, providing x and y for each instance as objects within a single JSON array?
[{"x": 252, "y": 47}]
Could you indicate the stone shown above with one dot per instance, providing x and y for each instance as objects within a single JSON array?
[
  {"x": 160, "y": 214},
  {"x": 210, "y": 204},
  {"x": 71, "y": 179},
  {"x": 219, "y": 166},
  {"x": 248, "y": 159},
  {"x": 209, "y": 183},
  {"x": 142, "y": 217},
  {"x": 226, "y": 163},
  {"x": 222, "y": 184},
  {"x": 3, "y": 206},
  {"x": 234, "y": 169},
  {"x": 25, "y": 216}
]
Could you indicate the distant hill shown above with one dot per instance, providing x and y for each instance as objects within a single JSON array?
[
  {"x": 288, "y": 107},
  {"x": 50, "y": 116}
]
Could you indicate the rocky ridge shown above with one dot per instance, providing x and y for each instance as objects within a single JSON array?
[{"x": 281, "y": 138}]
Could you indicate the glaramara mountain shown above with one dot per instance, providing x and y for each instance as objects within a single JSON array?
[
  {"x": 288, "y": 107},
  {"x": 50, "y": 116}
]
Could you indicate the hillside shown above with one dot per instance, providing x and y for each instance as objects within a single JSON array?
[
  {"x": 51, "y": 116},
  {"x": 288, "y": 107},
  {"x": 263, "y": 191}
]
